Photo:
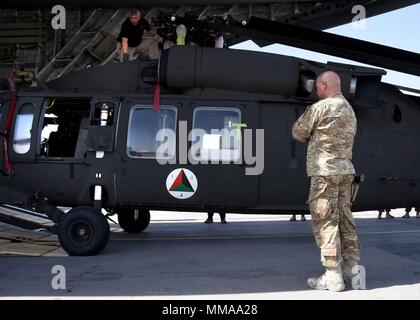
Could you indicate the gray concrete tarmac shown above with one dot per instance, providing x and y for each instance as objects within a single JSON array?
[{"x": 251, "y": 257}]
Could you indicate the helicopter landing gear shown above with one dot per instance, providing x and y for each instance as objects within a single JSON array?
[
  {"x": 134, "y": 220},
  {"x": 83, "y": 231}
]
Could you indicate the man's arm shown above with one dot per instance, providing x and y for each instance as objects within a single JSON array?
[
  {"x": 124, "y": 40},
  {"x": 305, "y": 125},
  {"x": 124, "y": 45},
  {"x": 124, "y": 50}
]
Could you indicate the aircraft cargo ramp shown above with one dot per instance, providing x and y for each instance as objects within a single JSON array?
[{"x": 15, "y": 241}]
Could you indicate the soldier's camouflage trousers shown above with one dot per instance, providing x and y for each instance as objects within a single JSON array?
[{"x": 332, "y": 220}]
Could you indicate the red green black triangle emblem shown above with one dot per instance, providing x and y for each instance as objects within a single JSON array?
[{"x": 181, "y": 183}]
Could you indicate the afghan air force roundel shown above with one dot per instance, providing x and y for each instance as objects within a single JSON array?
[{"x": 181, "y": 183}]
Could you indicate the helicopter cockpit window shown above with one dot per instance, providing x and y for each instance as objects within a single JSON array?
[
  {"x": 64, "y": 127},
  {"x": 23, "y": 128},
  {"x": 215, "y": 134},
  {"x": 152, "y": 134}
]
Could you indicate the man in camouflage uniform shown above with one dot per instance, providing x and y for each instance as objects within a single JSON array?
[{"x": 330, "y": 127}]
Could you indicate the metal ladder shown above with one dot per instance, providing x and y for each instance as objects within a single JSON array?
[{"x": 90, "y": 45}]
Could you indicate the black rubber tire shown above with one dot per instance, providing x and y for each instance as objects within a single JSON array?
[
  {"x": 129, "y": 224},
  {"x": 85, "y": 220}
]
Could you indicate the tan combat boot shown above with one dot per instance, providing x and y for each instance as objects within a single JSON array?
[{"x": 331, "y": 280}]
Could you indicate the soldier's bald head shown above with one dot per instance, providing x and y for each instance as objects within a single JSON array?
[
  {"x": 328, "y": 84},
  {"x": 330, "y": 78}
]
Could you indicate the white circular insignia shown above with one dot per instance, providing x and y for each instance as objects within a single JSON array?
[{"x": 181, "y": 183}]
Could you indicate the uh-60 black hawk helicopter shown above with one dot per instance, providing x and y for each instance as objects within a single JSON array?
[{"x": 93, "y": 140}]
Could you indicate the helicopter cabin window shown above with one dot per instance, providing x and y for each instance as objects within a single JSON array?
[
  {"x": 64, "y": 127},
  {"x": 23, "y": 128},
  {"x": 215, "y": 135},
  {"x": 152, "y": 134}
]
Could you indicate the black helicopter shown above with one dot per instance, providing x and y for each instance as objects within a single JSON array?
[{"x": 201, "y": 129}]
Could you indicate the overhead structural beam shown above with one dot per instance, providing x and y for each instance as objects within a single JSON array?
[
  {"x": 319, "y": 41},
  {"x": 370, "y": 5},
  {"x": 122, "y": 3}
]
